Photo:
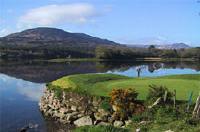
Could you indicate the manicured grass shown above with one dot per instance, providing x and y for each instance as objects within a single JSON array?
[{"x": 102, "y": 84}]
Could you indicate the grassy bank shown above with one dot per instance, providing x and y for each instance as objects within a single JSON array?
[{"x": 102, "y": 84}]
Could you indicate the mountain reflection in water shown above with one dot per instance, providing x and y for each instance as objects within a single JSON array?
[{"x": 43, "y": 72}]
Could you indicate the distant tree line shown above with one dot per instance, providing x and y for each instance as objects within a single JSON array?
[
  {"x": 47, "y": 51},
  {"x": 105, "y": 52}
]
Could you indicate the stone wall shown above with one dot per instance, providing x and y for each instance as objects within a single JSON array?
[{"x": 76, "y": 109}]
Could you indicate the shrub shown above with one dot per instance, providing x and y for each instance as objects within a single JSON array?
[
  {"x": 123, "y": 102},
  {"x": 146, "y": 115},
  {"x": 192, "y": 121},
  {"x": 156, "y": 92},
  {"x": 166, "y": 114}
]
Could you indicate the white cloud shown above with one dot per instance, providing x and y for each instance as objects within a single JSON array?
[
  {"x": 4, "y": 32},
  {"x": 59, "y": 14},
  {"x": 32, "y": 93}
]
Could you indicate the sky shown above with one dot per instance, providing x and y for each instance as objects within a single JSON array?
[{"x": 123, "y": 21}]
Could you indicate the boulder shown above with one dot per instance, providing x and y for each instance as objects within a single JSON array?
[
  {"x": 83, "y": 121},
  {"x": 118, "y": 123}
]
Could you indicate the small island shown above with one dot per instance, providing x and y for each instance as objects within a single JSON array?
[{"x": 109, "y": 102}]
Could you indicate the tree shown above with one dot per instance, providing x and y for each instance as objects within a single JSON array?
[
  {"x": 151, "y": 47},
  {"x": 170, "y": 54}
]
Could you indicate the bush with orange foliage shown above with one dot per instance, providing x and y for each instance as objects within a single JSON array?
[{"x": 124, "y": 103}]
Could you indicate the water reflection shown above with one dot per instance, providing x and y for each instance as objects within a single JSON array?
[
  {"x": 30, "y": 91},
  {"x": 18, "y": 105},
  {"x": 155, "y": 69},
  {"x": 43, "y": 72}
]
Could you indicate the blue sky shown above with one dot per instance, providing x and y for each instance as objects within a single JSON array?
[{"x": 124, "y": 21}]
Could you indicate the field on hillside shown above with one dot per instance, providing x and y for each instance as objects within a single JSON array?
[{"x": 102, "y": 84}]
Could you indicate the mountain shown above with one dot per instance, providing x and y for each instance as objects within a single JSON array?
[
  {"x": 46, "y": 42},
  {"x": 45, "y": 34},
  {"x": 164, "y": 46},
  {"x": 174, "y": 46}
]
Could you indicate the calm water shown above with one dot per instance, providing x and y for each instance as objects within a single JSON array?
[{"x": 22, "y": 85}]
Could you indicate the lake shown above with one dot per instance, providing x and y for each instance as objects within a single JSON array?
[{"x": 22, "y": 84}]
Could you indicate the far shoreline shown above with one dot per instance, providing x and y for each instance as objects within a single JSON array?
[
  {"x": 147, "y": 59},
  {"x": 62, "y": 60}
]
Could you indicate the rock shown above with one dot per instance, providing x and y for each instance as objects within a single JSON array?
[
  {"x": 80, "y": 115},
  {"x": 103, "y": 123},
  {"x": 29, "y": 126},
  {"x": 118, "y": 123},
  {"x": 83, "y": 121},
  {"x": 74, "y": 108},
  {"x": 110, "y": 120},
  {"x": 138, "y": 130},
  {"x": 99, "y": 117},
  {"x": 64, "y": 121},
  {"x": 96, "y": 102},
  {"x": 128, "y": 122},
  {"x": 72, "y": 116},
  {"x": 59, "y": 115},
  {"x": 144, "y": 122},
  {"x": 63, "y": 110},
  {"x": 114, "y": 107},
  {"x": 80, "y": 108},
  {"x": 60, "y": 130},
  {"x": 169, "y": 131},
  {"x": 96, "y": 122},
  {"x": 25, "y": 129},
  {"x": 103, "y": 112}
]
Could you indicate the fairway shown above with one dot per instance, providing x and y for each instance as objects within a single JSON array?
[{"x": 102, "y": 84}]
